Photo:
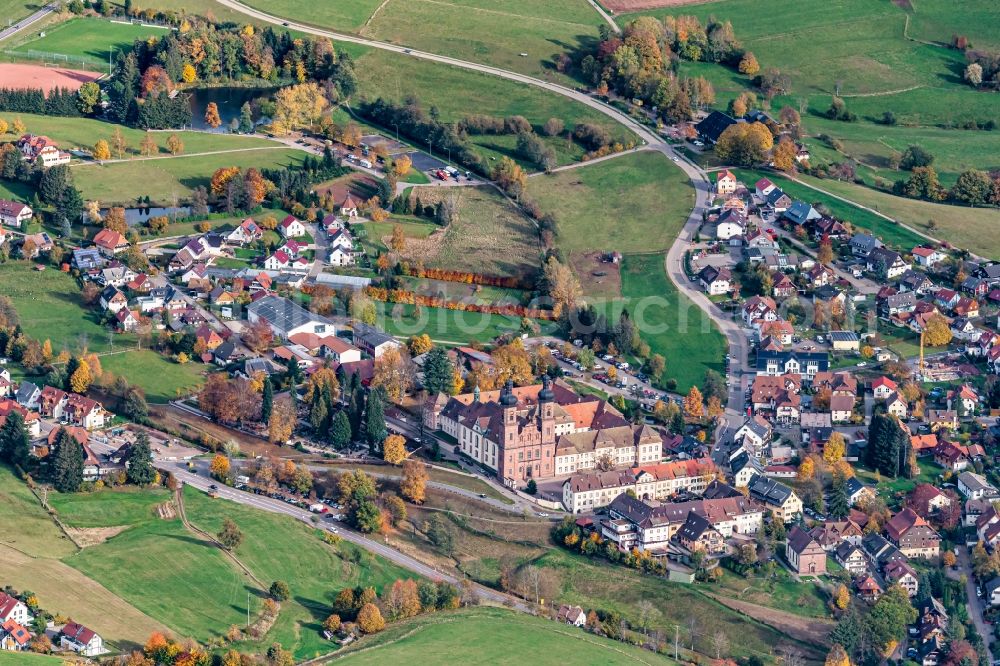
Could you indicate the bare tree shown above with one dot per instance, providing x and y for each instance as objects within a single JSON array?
[
  {"x": 694, "y": 630},
  {"x": 646, "y": 612},
  {"x": 720, "y": 641},
  {"x": 791, "y": 655}
]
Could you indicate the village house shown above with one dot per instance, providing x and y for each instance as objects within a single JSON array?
[
  {"x": 852, "y": 557},
  {"x": 912, "y": 535},
  {"x": 804, "y": 554},
  {"x": 896, "y": 406},
  {"x": 373, "y": 341},
  {"x": 927, "y": 499},
  {"x": 14, "y": 637},
  {"x": 830, "y": 534},
  {"x": 868, "y": 589},
  {"x": 42, "y": 150},
  {"x": 730, "y": 224},
  {"x": 12, "y": 609},
  {"x": 698, "y": 535},
  {"x": 725, "y": 182},
  {"x": 952, "y": 456},
  {"x": 863, "y": 244},
  {"x": 807, "y": 364},
  {"x": 886, "y": 264},
  {"x": 928, "y": 256},
  {"x": 963, "y": 400},
  {"x": 781, "y": 500},
  {"x": 572, "y": 615},
  {"x": 350, "y": 206},
  {"x": 292, "y": 227},
  {"x": 110, "y": 242},
  {"x": 902, "y": 574},
  {"x": 80, "y": 639},
  {"x": 759, "y": 308},
  {"x": 84, "y": 412},
  {"x": 916, "y": 281},
  {"x": 14, "y": 213},
  {"x": 754, "y": 435},
  {"x": 716, "y": 281},
  {"x": 113, "y": 300},
  {"x": 248, "y": 232},
  {"x": 975, "y": 486}
]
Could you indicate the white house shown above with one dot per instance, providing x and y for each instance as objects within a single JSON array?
[
  {"x": 287, "y": 318},
  {"x": 80, "y": 639},
  {"x": 340, "y": 257},
  {"x": 928, "y": 256},
  {"x": 13, "y": 213},
  {"x": 975, "y": 486},
  {"x": 725, "y": 182},
  {"x": 13, "y": 609},
  {"x": 291, "y": 227}
]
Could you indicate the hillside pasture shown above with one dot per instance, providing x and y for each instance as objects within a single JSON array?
[
  {"x": 172, "y": 178},
  {"x": 518, "y": 35}
]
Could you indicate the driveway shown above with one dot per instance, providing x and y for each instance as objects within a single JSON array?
[{"x": 973, "y": 603}]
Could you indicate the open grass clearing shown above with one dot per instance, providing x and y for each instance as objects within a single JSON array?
[
  {"x": 88, "y": 40},
  {"x": 161, "y": 378},
  {"x": 435, "y": 474},
  {"x": 782, "y": 592},
  {"x": 84, "y": 132},
  {"x": 49, "y": 307},
  {"x": 457, "y": 291},
  {"x": 171, "y": 178},
  {"x": 938, "y": 20},
  {"x": 173, "y": 576},
  {"x": 108, "y": 508},
  {"x": 28, "y": 659},
  {"x": 633, "y": 203},
  {"x": 669, "y": 322},
  {"x": 517, "y": 35},
  {"x": 489, "y": 234},
  {"x": 279, "y": 548},
  {"x": 348, "y": 16},
  {"x": 491, "y": 636},
  {"x": 36, "y": 535},
  {"x": 457, "y": 93}
]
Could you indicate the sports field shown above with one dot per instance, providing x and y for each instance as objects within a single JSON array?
[
  {"x": 486, "y": 636},
  {"x": 86, "y": 40},
  {"x": 17, "y": 76},
  {"x": 169, "y": 178}
]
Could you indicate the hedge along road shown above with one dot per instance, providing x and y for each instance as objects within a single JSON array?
[{"x": 699, "y": 178}]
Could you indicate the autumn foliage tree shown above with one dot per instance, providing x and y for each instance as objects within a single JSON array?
[
  {"x": 220, "y": 179},
  {"x": 749, "y": 65},
  {"x": 102, "y": 151},
  {"x": 784, "y": 155},
  {"x": 938, "y": 332},
  {"x": 837, "y": 656},
  {"x": 394, "y": 449},
  {"x": 212, "y": 118},
  {"x": 745, "y": 144},
  {"x": 511, "y": 178},
  {"x": 413, "y": 485},
  {"x": 370, "y": 619},
  {"x": 694, "y": 404}
]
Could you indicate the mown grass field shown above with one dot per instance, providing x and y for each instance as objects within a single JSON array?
[
  {"x": 279, "y": 548},
  {"x": 492, "y": 636},
  {"x": 633, "y": 203},
  {"x": 172, "y": 178},
  {"x": 495, "y": 32},
  {"x": 162, "y": 379},
  {"x": 669, "y": 322},
  {"x": 84, "y": 133},
  {"x": 49, "y": 307},
  {"x": 457, "y": 93},
  {"x": 176, "y": 577},
  {"x": 30, "y": 552},
  {"x": 88, "y": 40},
  {"x": 16, "y": 9},
  {"x": 348, "y": 16},
  {"x": 109, "y": 508}
]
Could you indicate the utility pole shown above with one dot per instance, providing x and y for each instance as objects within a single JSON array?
[
  {"x": 248, "y": 610},
  {"x": 676, "y": 638}
]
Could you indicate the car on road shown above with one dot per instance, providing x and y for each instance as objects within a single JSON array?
[
  {"x": 213, "y": 487},
  {"x": 482, "y": 495},
  {"x": 675, "y": 158},
  {"x": 862, "y": 364},
  {"x": 542, "y": 514}
]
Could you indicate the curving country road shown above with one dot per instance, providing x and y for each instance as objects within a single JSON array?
[
  {"x": 699, "y": 178},
  {"x": 179, "y": 470}
]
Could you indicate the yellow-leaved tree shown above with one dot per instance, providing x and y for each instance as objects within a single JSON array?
[{"x": 394, "y": 449}]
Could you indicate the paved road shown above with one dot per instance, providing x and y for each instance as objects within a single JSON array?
[
  {"x": 371, "y": 545},
  {"x": 24, "y": 24},
  {"x": 973, "y": 604}
]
